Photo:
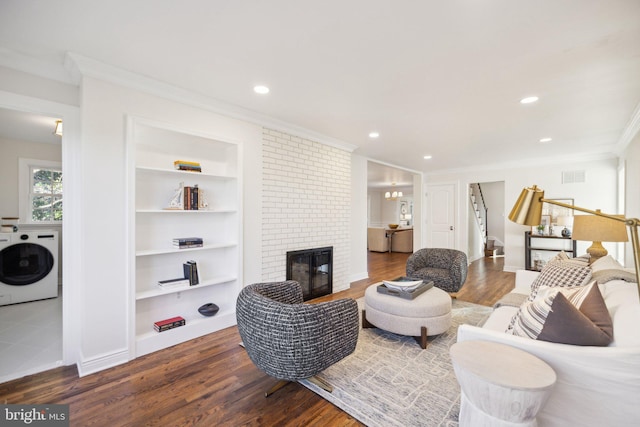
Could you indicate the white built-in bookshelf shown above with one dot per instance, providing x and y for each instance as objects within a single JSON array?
[{"x": 152, "y": 149}]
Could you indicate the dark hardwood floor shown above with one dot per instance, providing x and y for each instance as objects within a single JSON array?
[{"x": 210, "y": 381}]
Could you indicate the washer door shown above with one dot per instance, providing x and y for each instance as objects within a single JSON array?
[{"x": 24, "y": 264}]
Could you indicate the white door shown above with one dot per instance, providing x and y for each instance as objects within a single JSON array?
[{"x": 441, "y": 232}]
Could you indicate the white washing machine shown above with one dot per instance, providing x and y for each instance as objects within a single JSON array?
[{"x": 28, "y": 266}]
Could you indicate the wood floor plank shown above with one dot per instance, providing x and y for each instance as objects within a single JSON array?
[{"x": 211, "y": 380}]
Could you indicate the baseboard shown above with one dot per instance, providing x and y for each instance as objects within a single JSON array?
[
  {"x": 475, "y": 258},
  {"x": 512, "y": 268},
  {"x": 102, "y": 362},
  {"x": 358, "y": 276}
]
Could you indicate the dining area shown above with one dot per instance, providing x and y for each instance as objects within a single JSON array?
[{"x": 392, "y": 238}]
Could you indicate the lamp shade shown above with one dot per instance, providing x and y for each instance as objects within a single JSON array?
[
  {"x": 565, "y": 220},
  {"x": 599, "y": 229},
  {"x": 528, "y": 208}
]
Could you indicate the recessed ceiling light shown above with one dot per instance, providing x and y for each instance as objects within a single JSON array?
[
  {"x": 529, "y": 100},
  {"x": 545, "y": 140},
  {"x": 262, "y": 90},
  {"x": 427, "y": 157},
  {"x": 374, "y": 134}
]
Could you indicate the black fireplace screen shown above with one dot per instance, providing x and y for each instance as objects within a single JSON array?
[{"x": 313, "y": 269}]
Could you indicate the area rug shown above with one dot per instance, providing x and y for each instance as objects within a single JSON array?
[{"x": 390, "y": 381}]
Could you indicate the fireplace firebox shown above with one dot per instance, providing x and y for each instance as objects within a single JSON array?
[{"x": 313, "y": 269}]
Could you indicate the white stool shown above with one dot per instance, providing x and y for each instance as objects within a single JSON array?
[
  {"x": 501, "y": 385},
  {"x": 426, "y": 315}
]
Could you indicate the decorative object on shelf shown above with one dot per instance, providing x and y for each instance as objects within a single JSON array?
[
  {"x": 393, "y": 226},
  {"x": 208, "y": 309},
  {"x": 540, "y": 229},
  {"x": 565, "y": 221},
  {"x": 185, "y": 165},
  {"x": 392, "y": 195},
  {"x": 528, "y": 209},
  {"x": 598, "y": 229},
  {"x": 176, "y": 201},
  {"x": 165, "y": 325}
]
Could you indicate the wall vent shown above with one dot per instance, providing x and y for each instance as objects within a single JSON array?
[{"x": 573, "y": 177}]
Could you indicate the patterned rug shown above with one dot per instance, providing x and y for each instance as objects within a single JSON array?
[{"x": 390, "y": 381}]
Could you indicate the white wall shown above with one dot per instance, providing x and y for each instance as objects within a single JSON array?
[
  {"x": 382, "y": 211},
  {"x": 493, "y": 193},
  {"x": 358, "y": 222},
  {"x": 631, "y": 159},
  {"x": 106, "y": 296},
  {"x": 599, "y": 191},
  {"x": 33, "y": 86}
]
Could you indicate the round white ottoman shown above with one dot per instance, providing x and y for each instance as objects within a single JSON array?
[
  {"x": 501, "y": 385},
  {"x": 427, "y": 315}
]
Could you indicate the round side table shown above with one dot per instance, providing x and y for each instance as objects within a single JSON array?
[{"x": 501, "y": 385}]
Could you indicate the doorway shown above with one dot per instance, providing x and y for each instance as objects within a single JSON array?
[{"x": 54, "y": 313}]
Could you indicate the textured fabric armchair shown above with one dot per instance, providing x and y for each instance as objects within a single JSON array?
[
  {"x": 289, "y": 340},
  {"x": 446, "y": 267}
]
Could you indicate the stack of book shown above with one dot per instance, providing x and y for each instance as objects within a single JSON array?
[
  {"x": 164, "y": 325},
  {"x": 191, "y": 272},
  {"x": 187, "y": 242},
  {"x": 173, "y": 283},
  {"x": 191, "y": 198},
  {"x": 185, "y": 165}
]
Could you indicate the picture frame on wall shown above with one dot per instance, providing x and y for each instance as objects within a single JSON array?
[{"x": 555, "y": 211}]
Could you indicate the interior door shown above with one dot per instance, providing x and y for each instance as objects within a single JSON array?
[{"x": 441, "y": 225}]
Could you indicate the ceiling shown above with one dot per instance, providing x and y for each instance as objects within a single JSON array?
[
  {"x": 433, "y": 78},
  {"x": 23, "y": 126}
]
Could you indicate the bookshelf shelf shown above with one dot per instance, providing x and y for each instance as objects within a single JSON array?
[
  {"x": 157, "y": 291},
  {"x": 172, "y": 250},
  {"x": 152, "y": 149}
]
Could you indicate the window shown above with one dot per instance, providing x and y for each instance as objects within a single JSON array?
[{"x": 40, "y": 191}]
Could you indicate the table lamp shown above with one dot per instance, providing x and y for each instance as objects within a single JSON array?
[
  {"x": 598, "y": 229},
  {"x": 528, "y": 211}
]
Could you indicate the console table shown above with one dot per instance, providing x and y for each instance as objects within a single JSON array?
[{"x": 533, "y": 242}]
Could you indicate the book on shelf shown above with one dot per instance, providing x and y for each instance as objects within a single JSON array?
[
  {"x": 187, "y": 242},
  {"x": 173, "y": 283},
  {"x": 187, "y": 165},
  {"x": 191, "y": 198},
  {"x": 190, "y": 269},
  {"x": 174, "y": 322}
]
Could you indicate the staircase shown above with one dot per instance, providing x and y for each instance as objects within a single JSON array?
[{"x": 480, "y": 208}]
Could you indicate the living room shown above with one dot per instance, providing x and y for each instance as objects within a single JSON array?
[{"x": 102, "y": 100}]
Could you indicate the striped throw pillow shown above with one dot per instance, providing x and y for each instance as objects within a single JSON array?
[{"x": 576, "y": 316}]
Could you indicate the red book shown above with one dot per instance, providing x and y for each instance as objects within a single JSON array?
[{"x": 171, "y": 321}]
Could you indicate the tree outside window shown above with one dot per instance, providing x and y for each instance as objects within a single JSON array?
[{"x": 46, "y": 195}]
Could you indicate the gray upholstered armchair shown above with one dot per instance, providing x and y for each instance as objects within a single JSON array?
[
  {"x": 446, "y": 267},
  {"x": 289, "y": 340}
]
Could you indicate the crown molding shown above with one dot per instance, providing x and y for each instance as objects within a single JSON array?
[
  {"x": 630, "y": 131},
  {"x": 79, "y": 66},
  {"x": 540, "y": 161},
  {"x": 31, "y": 65}
]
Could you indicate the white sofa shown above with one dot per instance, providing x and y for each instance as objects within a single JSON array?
[{"x": 596, "y": 386}]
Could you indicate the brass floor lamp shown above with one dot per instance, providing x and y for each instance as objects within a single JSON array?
[{"x": 528, "y": 211}]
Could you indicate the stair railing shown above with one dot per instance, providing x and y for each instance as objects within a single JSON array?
[{"x": 481, "y": 210}]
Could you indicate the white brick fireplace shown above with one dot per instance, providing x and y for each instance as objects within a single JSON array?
[{"x": 306, "y": 203}]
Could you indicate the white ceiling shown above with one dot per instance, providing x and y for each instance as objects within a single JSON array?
[
  {"x": 23, "y": 126},
  {"x": 439, "y": 78}
]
